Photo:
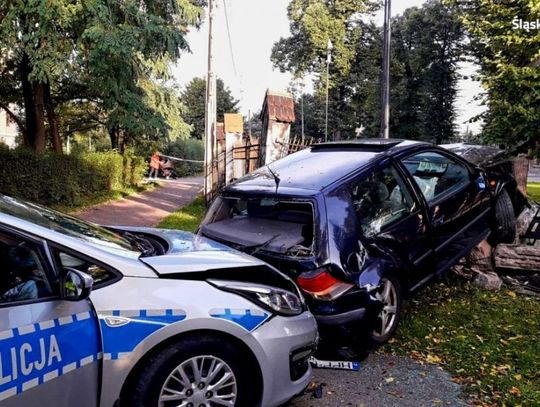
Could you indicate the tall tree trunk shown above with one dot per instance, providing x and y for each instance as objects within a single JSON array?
[
  {"x": 34, "y": 108},
  {"x": 53, "y": 121},
  {"x": 114, "y": 136},
  {"x": 40, "y": 141},
  {"x": 30, "y": 133}
]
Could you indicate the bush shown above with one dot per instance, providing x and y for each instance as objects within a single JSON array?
[
  {"x": 54, "y": 179},
  {"x": 190, "y": 149}
]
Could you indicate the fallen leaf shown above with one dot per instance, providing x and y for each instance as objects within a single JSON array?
[
  {"x": 389, "y": 379},
  {"x": 433, "y": 359},
  {"x": 515, "y": 391}
]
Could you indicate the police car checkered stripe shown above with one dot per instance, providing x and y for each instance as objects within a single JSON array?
[
  {"x": 34, "y": 354},
  {"x": 123, "y": 330},
  {"x": 249, "y": 319}
]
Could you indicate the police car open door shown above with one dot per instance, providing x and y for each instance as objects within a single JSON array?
[{"x": 50, "y": 349}]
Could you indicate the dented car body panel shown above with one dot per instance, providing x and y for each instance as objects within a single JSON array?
[
  {"x": 432, "y": 206},
  {"x": 55, "y": 351}
]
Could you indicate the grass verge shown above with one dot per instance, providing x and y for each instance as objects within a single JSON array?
[
  {"x": 488, "y": 340},
  {"x": 187, "y": 218},
  {"x": 533, "y": 190}
]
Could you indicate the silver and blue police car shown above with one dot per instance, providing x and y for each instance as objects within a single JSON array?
[{"x": 93, "y": 316}]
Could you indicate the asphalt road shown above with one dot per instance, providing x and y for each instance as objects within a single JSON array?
[
  {"x": 382, "y": 381},
  {"x": 147, "y": 208}
]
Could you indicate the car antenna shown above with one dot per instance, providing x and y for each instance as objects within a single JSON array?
[{"x": 277, "y": 180}]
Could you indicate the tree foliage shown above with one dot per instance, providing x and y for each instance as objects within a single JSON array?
[
  {"x": 426, "y": 48},
  {"x": 428, "y": 45},
  {"x": 112, "y": 55},
  {"x": 194, "y": 98},
  {"x": 508, "y": 52}
]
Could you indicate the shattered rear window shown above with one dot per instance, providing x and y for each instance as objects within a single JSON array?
[{"x": 273, "y": 225}]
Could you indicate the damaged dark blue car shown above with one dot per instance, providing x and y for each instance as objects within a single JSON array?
[{"x": 359, "y": 225}]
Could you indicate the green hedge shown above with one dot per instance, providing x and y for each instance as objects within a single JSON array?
[
  {"x": 53, "y": 179},
  {"x": 190, "y": 149}
]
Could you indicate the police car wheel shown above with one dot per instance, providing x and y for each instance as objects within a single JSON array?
[{"x": 203, "y": 371}]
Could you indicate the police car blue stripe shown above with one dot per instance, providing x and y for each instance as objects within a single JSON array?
[
  {"x": 247, "y": 319},
  {"x": 122, "y": 334},
  {"x": 35, "y": 354}
]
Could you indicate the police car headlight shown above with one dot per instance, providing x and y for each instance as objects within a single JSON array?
[{"x": 273, "y": 299}]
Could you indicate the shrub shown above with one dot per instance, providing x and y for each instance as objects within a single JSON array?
[
  {"x": 54, "y": 179},
  {"x": 190, "y": 149}
]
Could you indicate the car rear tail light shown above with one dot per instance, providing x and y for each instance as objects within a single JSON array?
[{"x": 322, "y": 285}]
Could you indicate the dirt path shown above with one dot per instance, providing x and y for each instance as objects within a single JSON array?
[
  {"x": 383, "y": 381},
  {"x": 147, "y": 208}
]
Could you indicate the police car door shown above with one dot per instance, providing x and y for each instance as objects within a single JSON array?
[{"x": 49, "y": 348}]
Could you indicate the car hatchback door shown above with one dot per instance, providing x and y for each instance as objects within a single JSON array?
[
  {"x": 50, "y": 348},
  {"x": 458, "y": 204}
]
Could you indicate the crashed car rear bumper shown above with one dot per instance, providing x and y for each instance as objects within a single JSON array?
[
  {"x": 352, "y": 309},
  {"x": 342, "y": 318}
]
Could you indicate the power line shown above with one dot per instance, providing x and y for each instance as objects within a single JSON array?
[
  {"x": 230, "y": 40},
  {"x": 231, "y": 50}
]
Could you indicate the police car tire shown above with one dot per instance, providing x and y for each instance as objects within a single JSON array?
[{"x": 151, "y": 378}]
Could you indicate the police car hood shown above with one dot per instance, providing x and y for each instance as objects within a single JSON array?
[
  {"x": 190, "y": 253},
  {"x": 195, "y": 257}
]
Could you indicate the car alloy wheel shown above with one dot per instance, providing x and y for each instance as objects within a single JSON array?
[
  {"x": 386, "y": 322},
  {"x": 202, "y": 381}
]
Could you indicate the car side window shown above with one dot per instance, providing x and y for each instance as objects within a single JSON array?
[
  {"x": 436, "y": 174},
  {"x": 22, "y": 270},
  {"x": 100, "y": 274},
  {"x": 380, "y": 200}
]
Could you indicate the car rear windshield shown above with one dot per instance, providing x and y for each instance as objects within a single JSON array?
[{"x": 274, "y": 225}]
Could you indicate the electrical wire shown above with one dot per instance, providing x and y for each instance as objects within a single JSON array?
[{"x": 230, "y": 39}]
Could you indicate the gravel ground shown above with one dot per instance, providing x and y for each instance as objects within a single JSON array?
[{"x": 383, "y": 381}]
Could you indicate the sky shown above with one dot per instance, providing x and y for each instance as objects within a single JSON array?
[{"x": 255, "y": 25}]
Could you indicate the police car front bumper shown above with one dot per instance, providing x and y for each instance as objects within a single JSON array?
[{"x": 287, "y": 343}]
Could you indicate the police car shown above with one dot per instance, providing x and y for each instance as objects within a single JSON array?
[{"x": 141, "y": 317}]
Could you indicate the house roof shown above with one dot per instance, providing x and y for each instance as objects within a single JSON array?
[{"x": 278, "y": 106}]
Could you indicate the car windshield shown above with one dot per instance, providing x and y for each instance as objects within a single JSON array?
[{"x": 68, "y": 225}]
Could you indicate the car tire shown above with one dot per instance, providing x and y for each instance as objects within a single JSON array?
[
  {"x": 387, "y": 320},
  {"x": 164, "y": 375},
  {"x": 505, "y": 228}
]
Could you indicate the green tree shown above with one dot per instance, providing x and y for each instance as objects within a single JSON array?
[
  {"x": 194, "y": 98},
  {"x": 426, "y": 48},
  {"x": 507, "y": 49},
  {"x": 110, "y": 54}
]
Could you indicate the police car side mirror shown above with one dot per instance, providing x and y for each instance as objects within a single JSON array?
[{"x": 75, "y": 285}]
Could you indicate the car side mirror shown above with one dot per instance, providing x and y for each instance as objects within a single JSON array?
[{"x": 75, "y": 285}]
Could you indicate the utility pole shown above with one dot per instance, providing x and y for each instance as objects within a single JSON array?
[
  {"x": 249, "y": 124},
  {"x": 385, "y": 111},
  {"x": 210, "y": 110},
  {"x": 329, "y": 49},
  {"x": 302, "y": 84}
]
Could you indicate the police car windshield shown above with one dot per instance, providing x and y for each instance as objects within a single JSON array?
[{"x": 67, "y": 225}]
